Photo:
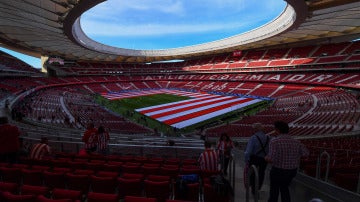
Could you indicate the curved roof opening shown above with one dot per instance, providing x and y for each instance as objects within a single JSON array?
[{"x": 163, "y": 24}]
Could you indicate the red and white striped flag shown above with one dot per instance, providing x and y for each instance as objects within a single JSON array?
[
  {"x": 188, "y": 112},
  {"x": 201, "y": 107}
]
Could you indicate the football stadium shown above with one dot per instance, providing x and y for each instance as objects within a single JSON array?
[{"x": 153, "y": 110}]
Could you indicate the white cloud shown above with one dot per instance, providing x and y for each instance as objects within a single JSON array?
[
  {"x": 100, "y": 29},
  {"x": 117, "y": 7},
  {"x": 154, "y": 18}
]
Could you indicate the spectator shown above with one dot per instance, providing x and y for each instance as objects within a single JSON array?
[
  {"x": 224, "y": 146},
  {"x": 256, "y": 150},
  {"x": 90, "y": 138},
  {"x": 24, "y": 149},
  {"x": 284, "y": 155},
  {"x": 40, "y": 150},
  {"x": 209, "y": 159},
  {"x": 170, "y": 143},
  {"x": 9, "y": 139},
  {"x": 103, "y": 141}
]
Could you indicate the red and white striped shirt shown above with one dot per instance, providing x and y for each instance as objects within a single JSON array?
[
  {"x": 208, "y": 160},
  {"x": 103, "y": 141},
  {"x": 39, "y": 150},
  {"x": 225, "y": 147},
  {"x": 90, "y": 138}
]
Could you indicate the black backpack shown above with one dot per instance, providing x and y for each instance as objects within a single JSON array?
[
  {"x": 181, "y": 185},
  {"x": 221, "y": 185}
]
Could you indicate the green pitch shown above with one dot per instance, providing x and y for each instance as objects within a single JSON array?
[{"x": 126, "y": 107}]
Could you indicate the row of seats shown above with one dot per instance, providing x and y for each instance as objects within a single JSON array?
[
  {"x": 36, "y": 194},
  {"x": 42, "y": 180},
  {"x": 251, "y": 58}
]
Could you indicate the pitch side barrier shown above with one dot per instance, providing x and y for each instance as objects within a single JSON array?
[{"x": 139, "y": 149}]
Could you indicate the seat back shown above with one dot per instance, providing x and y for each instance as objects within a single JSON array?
[
  {"x": 103, "y": 184},
  {"x": 130, "y": 187},
  {"x": 78, "y": 182},
  {"x": 101, "y": 197},
  {"x": 159, "y": 190},
  {"x": 32, "y": 177},
  {"x": 66, "y": 194},
  {"x": 139, "y": 199},
  {"x": 54, "y": 179}
]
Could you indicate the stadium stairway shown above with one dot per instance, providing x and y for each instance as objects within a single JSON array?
[{"x": 302, "y": 189}]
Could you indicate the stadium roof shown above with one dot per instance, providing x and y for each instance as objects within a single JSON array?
[{"x": 52, "y": 27}]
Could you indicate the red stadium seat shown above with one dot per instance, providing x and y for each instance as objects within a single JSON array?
[
  {"x": 107, "y": 174},
  {"x": 10, "y": 187},
  {"x": 35, "y": 190},
  {"x": 158, "y": 178},
  {"x": 133, "y": 176},
  {"x": 101, "y": 197},
  {"x": 103, "y": 184},
  {"x": 40, "y": 167},
  {"x": 129, "y": 168},
  {"x": 83, "y": 172},
  {"x": 150, "y": 170},
  {"x": 32, "y": 177},
  {"x": 42, "y": 198},
  {"x": 61, "y": 170},
  {"x": 130, "y": 187},
  {"x": 67, "y": 194},
  {"x": 78, "y": 182},
  {"x": 54, "y": 179},
  {"x": 10, "y": 174},
  {"x": 9, "y": 197},
  {"x": 159, "y": 190},
  {"x": 139, "y": 199},
  {"x": 173, "y": 172}
]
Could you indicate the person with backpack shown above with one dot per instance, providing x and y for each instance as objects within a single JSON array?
[
  {"x": 256, "y": 150},
  {"x": 209, "y": 158},
  {"x": 90, "y": 138},
  {"x": 40, "y": 150}
]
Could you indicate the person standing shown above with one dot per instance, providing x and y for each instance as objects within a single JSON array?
[
  {"x": 256, "y": 150},
  {"x": 284, "y": 155},
  {"x": 9, "y": 138},
  {"x": 103, "y": 141},
  {"x": 224, "y": 146},
  {"x": 40, "y": 150},
  {"x": 90, "y": 138},
  {"x": 208, "y": 159}
]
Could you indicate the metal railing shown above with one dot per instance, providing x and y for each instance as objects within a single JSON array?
[
  {"x": 318, "y": 166},
  {"x": 252, "y": 170}
]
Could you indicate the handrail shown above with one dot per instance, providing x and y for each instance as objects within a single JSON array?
[
  {"x": 253, "y": 169},
  {"x": 232, "y": 173},
  {"x": 318, "y": 166},
  {"x": 358, "y": 185}
]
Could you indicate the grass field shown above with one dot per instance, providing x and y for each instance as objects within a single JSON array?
[{"x": 126, "y": 107}]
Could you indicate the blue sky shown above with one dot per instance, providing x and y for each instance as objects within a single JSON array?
[{"x": 161, "y": 24}]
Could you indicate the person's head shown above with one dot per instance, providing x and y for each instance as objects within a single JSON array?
[
  {"x": 171, "y": 142},
  {"x": 207, "y": 144},
  {"x": 224, "y": 137},
  {"x": 90, "y": 125},
  {"x": 4, "y": 120},
  {"x": 257, "y": 127},
  {"x": 101, "y": 129},
  {"x": 281, "y": 127},
  {"x": 44, "y": 140}
]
